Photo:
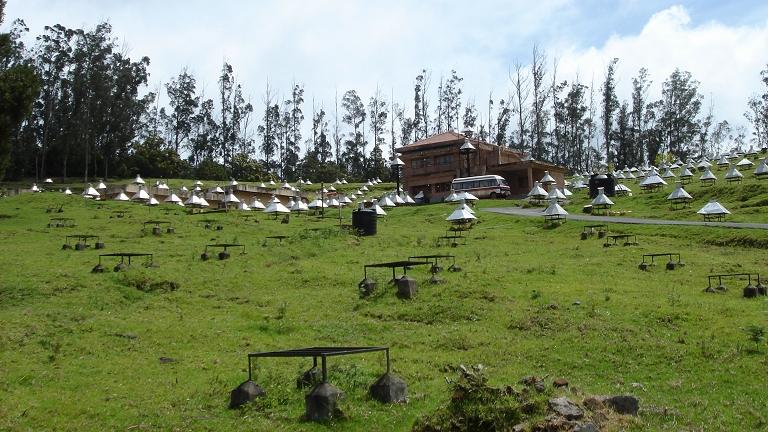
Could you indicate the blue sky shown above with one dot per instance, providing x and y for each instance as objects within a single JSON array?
[{"x": 335, "y": 45}]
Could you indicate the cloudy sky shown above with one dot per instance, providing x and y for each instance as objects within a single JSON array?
[{"x": 335, "y": 45}]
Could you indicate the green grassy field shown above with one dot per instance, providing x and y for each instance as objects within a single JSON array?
[
  {"x": 81, "y": 351},
  {"x": 747, "y": 201}
]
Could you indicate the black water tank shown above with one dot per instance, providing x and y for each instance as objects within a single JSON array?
[
  {"x": 364, "y": 222},
  {"x": 605, "y": 181}
]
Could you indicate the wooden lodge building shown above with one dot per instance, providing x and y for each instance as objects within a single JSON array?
[{"x": 433, "y": 162}]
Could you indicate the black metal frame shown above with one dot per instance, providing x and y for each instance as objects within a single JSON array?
[
  {"x": 393, "y": 265},
  {"x": 129, "y": 255},
  {"x": 225, "y": 246},
  {"x": 322, "y": 352},
  {"x": 625, "y": 237},
  {"x": 83, "y": 237},
  {"x": 721, "y": 276}
]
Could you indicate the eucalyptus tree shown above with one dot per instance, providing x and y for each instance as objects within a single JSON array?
[
  {"x": 679, "y": 109},
  {"x": 609, "y": 105},
  {"x": 183, "y": 103},
  {"x": 353, "y": 157}
]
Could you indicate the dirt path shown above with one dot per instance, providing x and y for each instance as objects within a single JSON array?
[{"x": 537, "y": 212}]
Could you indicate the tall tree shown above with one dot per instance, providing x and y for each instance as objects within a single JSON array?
[
  {"x": 680, "y": 106},
  {"x": 377, "y": 110},
  {"x": 521, "y": 86},
  {"x": 183, "y": 103},
  {"x": 610, "y": 103},
  {"x": 757, "y": 113},
  {"x": 640, "y": 85},
  {"x": 539, "y": 114},
  {"x": 421, "y": 121},
  {"x": 354, "y": 154},
  {"x": 226, "y": 84}
]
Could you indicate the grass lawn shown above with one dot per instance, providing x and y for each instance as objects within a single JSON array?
[{"x": 81, "y": 351}]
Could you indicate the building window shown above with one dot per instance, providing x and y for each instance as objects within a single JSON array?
[
  {"x": 444, "y": 160},
  {"x": 421, "y": 163}
]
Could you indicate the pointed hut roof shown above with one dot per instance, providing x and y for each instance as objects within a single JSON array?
[
  {"x": 461, "y": 214},
  {"x": 217, "y": 189},
  {"x": 48, "y": 180},
  {"x": 242, "y": 205},
  {"x": 276, "y": 207},
  {"x": 204, "y": 202},
  {"x": 703, "y": 164},
  {"x": 723, "y": 161},
  {"x": 317, "y": 203},
  {"x": 286, "y": 185},
  {"x": 307, "y": 182},
  {"x": 197, "y": 183},
  {"x": 537, "y": 192},
  {"x": 744, "y": 163},
  {"x": 256, "y": 204},
  {"x": 122, "y": 197},
  {"x": 386, "y": 202},
  {"x": 141, "y": 195},
  {"x": 101, "y": 185},
  {"x": 733, "y": 173},
  {"x": 451, "y": 197},
  {"x": 172, "y": 198},
  {"x": 567, "y": 193},
  {"x": 466, "y": 196},
  {"x": 92, "y": 193},
  {"x": 233, "y": 183},
  {"x": 364, "y": 188},
  {"x": 622, "y": 189},
  {"x": 272, "y": 183},
  {"x": 138, "y": 180},
  {"x": 162, "y": 186},
  {"x": 299, "y": 206},
  {"x": 409, "y": 200},
  {"x": 601, "y": 199},
  {"x": 547, "y": 179},
  {"x": 333, "y": 203},
  {"x": 377, "y": 208},
  {"x": 67, "y": 191},
  {"x": 679, "y": 194},
  {"x": 668, "y": 173},
  {"x": 708, "y": 175},
  {"x": 713, "y": 208},
  {"x": 554, "y": 210},
  {"x": 618, "y": 175},
  {"x": 193, "y": 200},
  {"x": 35, "y": 188},
  {"x": 686, "y": 173},
  {"x": 153, "y": 202},
  {"x": 262, "y": 185},
  {"x": 398, "y": 200},
  {"x": 652, "y": 179},
  {"x": 762, "y": 168},
  {"x": 554, "y": 193},
  {"x": 230, "y": 198},
  {"x": 343, "y": 181}
]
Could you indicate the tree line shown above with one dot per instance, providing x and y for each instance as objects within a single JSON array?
[{"x": 75, "y": 104}]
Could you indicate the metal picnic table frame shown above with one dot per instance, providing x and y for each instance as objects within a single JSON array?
[
  {"x": 670, "y": 264},
  {"x": 280, "y": 238},
  {"x": 150, "y": 260},
  {"x": 223, "y": 254},
  {"x": 617, "y": 237},
  {"x": 317, "y": 352},
  {"x": 82, "y": 239},
  {"x": 61, "y": 222},
  {"x": 436, "y": 258},
  {"x": 394, "y": 265},
  {"x": 155, "y": 223},
  {"x": 722, "y": 275}
]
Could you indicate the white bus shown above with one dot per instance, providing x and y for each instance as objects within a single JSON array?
[{"x": 485, "y": 186}]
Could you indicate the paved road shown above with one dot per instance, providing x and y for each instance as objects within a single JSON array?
[{"x": 537, "y": 212}]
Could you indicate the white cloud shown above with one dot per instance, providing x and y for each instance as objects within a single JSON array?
[{"x": 725, "y": 60}]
